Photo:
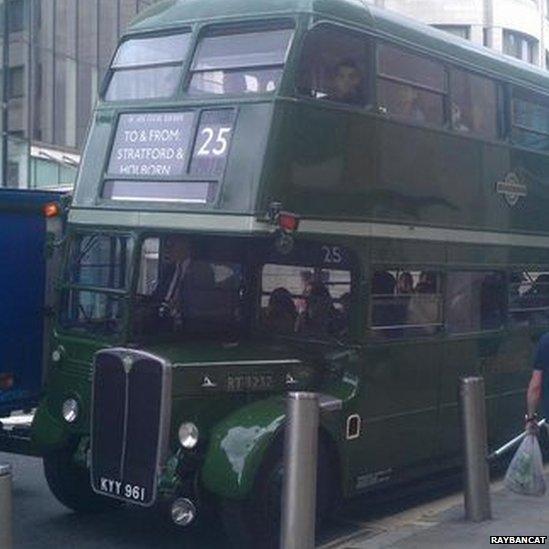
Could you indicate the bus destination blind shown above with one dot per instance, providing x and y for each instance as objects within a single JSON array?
[{"x": 151, "y": 145}]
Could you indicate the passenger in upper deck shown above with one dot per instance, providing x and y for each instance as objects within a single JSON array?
[
  {"x": 347, "y": 83},
  {"x": 409, "y": 105}
]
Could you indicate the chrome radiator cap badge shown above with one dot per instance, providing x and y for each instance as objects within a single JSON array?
[{"x": 128, "y": 363}]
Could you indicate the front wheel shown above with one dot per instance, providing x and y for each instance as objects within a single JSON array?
[
  {"x": 255, "y": 522},
  {"x": 71, "y": 485}
]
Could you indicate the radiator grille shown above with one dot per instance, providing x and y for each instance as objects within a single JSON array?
[{"x": 130, "y": 419}]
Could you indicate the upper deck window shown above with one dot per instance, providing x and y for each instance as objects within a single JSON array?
[
  {"x": 334, "y": 66},
  {"x": 474, "y": 104},
  {"x": 411, "y": 86},
  {"x": 147, "y": 68},
  {"x": 237, "y": 63},
  {"x": 530, "y": 120}
]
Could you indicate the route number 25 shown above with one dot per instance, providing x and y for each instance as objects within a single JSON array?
[
  {"x": 332, "y": 254},
  {"x": 215, "y": 145}
]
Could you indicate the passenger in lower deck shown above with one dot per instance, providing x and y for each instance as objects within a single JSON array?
[
  {"x": 319, "y": 316},
  {"x": 281, "y": 313}
]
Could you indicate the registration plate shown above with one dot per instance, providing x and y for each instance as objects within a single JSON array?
[{"x": 123, "y": 490}]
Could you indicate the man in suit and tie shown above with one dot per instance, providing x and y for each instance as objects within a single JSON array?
[{"x": 176, "y": 259}]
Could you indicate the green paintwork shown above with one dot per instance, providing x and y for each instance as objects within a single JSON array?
[
  {"x": 329, "y": 163},
  {"x": 237, "y": 446},
  {"x": 325, "y": 162}
]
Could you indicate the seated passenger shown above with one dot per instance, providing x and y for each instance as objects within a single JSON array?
[
  {"x": 457, "y": 119},
  {"x": 347, "y": 84},
  {"x": 343, "y": 315},
  {"x": 423, "y": 308},
  {"x": 405, "y": 283},
  {"x": 319, "y": 315},
  {"x": 383, "y": 307},
  {"x": 281, "y": 313},
  {"x": 409, "y": 105}
]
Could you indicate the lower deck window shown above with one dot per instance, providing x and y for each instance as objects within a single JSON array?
[
  {"x": 529, "y": 298},
  {"x": 406, "y": 303},
  {"x": 305, "y": 301}
]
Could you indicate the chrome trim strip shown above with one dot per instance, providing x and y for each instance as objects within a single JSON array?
[{"x": 239, "y": 363}]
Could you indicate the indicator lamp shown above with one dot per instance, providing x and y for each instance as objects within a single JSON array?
[{"x": 51, "y": 209}]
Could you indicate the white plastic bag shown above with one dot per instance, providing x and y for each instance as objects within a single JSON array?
[{"x": 525, "y": 473}]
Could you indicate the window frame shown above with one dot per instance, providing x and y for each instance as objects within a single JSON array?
[
  {"x": 501, "y": 108},
  {"x": 371, "y": 65},
  {"x": 445, "y": 94},
  {"x": 539, "y": 99},
  {"x": 355, "y": 321},
  {"x": 440, "y": 328},
  {"x": 369, "y": 334},
  {"x": 511, "y": 324},
  {"x": 239, "y": 27},
  {"x": 183, "y": 63}
]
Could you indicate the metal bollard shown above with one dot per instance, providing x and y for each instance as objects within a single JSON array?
[
  {"x": 475, "y": 449},
  {"x": 300, "y": 462},
  {"x": 5, "y": 507}
]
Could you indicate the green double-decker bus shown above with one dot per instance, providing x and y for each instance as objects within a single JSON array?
[{"x": 286, "y": 195}]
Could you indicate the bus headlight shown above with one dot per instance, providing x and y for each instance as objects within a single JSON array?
[
  {"x": 70, "y": 410},
  {"x": 188, "y": 435}
]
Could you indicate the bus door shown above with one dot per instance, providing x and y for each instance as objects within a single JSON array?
[
  {"x": 30, "y": 222},
  {"x": 399, "y": 382},
  {"x": 475, "y": 321}
]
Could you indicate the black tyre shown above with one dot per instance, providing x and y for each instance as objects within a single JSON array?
[
  {"x": 71, "y": 485},
  {"x": 255, "y": 522}
]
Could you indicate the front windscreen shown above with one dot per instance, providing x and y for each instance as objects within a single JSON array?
[
  {"x": 236, "y": 63},
  {"x": 97, "y": 274},
  {"x": 188, "y": 288}
]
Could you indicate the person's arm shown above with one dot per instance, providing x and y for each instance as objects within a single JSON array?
[
  {"x": 533, "y": 399},
  {"x": 533, "y": 396}
]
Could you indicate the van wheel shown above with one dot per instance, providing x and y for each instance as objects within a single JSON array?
[
  {"x": 255, "y": 522},
  {"x": 71, "y": 485}
]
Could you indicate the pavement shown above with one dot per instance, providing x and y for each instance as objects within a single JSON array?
[
  {"x": 442, "y": 524},
  {"x": 432, "y": 520}
]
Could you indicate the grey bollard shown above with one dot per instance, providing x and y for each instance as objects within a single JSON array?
[
  {"x": 300, "y": 461},
  {"x": 475, "y": 449},
  {"x": 5, "y": 507}
]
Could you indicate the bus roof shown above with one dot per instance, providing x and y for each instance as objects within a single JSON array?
[{"x": 170, "y": 13}]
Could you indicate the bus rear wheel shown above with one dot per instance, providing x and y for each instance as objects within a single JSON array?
[
  {"x": 255, "y": 522},
  {"x": 70, "y": 483}
]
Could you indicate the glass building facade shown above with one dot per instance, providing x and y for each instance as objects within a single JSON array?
[{"x": 54, "y": 54}]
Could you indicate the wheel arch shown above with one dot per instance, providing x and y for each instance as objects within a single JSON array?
[{"x": 240, "y": 443}]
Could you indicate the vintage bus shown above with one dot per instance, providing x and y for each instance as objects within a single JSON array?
[{"x": 288, "y": 195}]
